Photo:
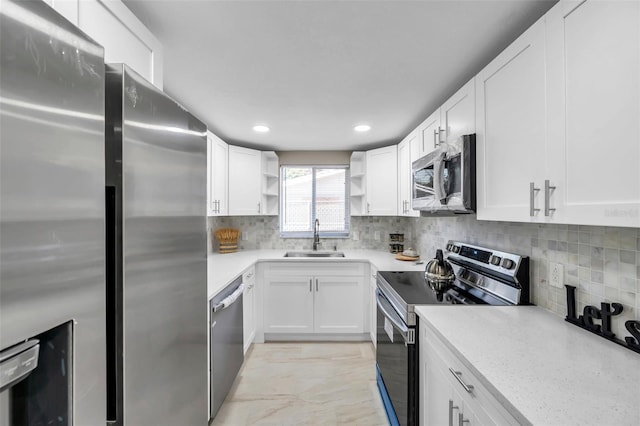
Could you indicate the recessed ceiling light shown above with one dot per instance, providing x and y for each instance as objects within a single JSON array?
[
  {"x": 260, "y": 128},
  {"x": 362, "y": 128}
]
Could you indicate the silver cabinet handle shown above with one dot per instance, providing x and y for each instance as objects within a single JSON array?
[
  {"x": 532, "y": 192},
  {"x": 457, "y": 374},
  {"x": 461, "y": 420},
  {"x": 310, "y": 284},
  {"x": 368, "y": 208},
  {"x": 435, "y": 138},
  {"x": 547, "y": 196},
  {"x": 316, "y": 284},
  {"x": 258, "y": 207},
  {"x": 451, "y": 408}
]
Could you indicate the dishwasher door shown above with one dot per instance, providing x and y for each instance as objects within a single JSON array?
[{"x": 227, "y": 353}]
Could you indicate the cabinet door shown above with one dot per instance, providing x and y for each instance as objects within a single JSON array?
[
  {"x": 248, "y": 314},
  {"x": 510, "y": 129},
  {"x": 211, "y": 205},
  {"x": 338, "y": 305},
  {"x": 373, "y": 307},
  {"x": 245, "y": 178},
  {"x": 124, "y": 37},
  {"x": 429, "y": 133},
  {"x": 594, "y": 97},
  {"x": 288, "y": 304},
  {"x": 458, "y": 113},
  {"x": 219, "y": 176},
  {"x": 382, "y": 181},
  {"x": 357, "y": 174},
  {"x": 405, "y": 150},
  {"x": 436, "y": 394}
]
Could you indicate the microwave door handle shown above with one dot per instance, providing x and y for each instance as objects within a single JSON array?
[{"x": 438, "y": 179}]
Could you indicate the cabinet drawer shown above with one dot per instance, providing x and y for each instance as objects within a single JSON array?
[
  {"x": 485, "y": 406},
  {"x": 317, "y": 269}
]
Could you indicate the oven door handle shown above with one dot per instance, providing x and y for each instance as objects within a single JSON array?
[{"x": 389, "y": 313}]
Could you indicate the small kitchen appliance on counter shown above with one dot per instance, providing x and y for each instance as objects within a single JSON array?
[{"x": 465, "y": 275}]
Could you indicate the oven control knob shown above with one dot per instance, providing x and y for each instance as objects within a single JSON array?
[
  {"x": 495, "y": 260},
  {"x": 449, "y": 247},
  {"x": 456, "y": 249},
  {"x": 508, "y": 263}
]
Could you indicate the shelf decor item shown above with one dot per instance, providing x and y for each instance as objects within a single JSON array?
[{"x": 228, "y": 238}]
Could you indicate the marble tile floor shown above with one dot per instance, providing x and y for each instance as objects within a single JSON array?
[{"x": 305, "y": 384}]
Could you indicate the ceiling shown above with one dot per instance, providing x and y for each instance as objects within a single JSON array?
[{"x": 312, "y": 70}]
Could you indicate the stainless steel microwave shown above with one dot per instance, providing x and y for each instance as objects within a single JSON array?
[{"x": 444, "y": 180}]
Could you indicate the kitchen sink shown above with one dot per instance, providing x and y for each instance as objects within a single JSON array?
[{"x": 314, "y": 254}]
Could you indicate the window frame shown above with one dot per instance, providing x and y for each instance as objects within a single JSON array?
[{"x": 347, "y": 196}]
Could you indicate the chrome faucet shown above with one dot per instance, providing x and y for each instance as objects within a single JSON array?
[{"x": 316, "y": 235}]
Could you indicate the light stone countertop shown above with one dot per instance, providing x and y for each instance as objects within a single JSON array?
[
  {"x": 544, "y": 370},
  {"x": 224, "y": 268}
]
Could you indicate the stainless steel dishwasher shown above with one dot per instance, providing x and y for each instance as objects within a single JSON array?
[{"x": 227, "y": 352}]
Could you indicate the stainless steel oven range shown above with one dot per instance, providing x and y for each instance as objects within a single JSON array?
[{"x": 482, "y": 276}]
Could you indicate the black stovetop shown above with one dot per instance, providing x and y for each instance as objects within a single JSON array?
[{"x": 411, "y": 287}]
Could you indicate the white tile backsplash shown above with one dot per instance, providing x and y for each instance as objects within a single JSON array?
[{"x": 602, "y": 262}]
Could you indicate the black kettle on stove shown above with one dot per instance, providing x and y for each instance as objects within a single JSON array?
[{"x": 439, "y": 275}]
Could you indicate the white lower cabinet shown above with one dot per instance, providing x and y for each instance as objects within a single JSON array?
[
  {"x": 373, "y": 305},
  {"x": 249, "y": 307},
  {"x": 307, "y": 298},
  {"x": 450, "y": 394}
]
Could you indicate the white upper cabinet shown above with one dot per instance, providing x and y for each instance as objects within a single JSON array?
[
  {"x": 593, "y": 64},
  {"x": 429, "y": 134},
  {"x": 558, "y": 126},
  {"x": 382, "y": 181},
  {"x": 124, "y": 38},
  {"x": 510, "y": 130},
  {"x": 270, "y": 183},
  {"x": 407, "y": 153},
  {"x": 458, "y": 113},
  {"x": 217, "y": 167},
  {"x": 456, "y": 117},
  {"x": 245, "y": 181},
  {"x": 357, "y": 174}
]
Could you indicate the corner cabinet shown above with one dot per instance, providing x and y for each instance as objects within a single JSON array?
[
  {"x": 449, "y": 392},
  {"x": 270, "y": 184},
  {"x": 217, "y": 175},
  {"x": 382, "y": 181},
  {"x": 307, "y": 299},
  {"x": 357, "y": 175},
  {"x": 245, "y": 181}
]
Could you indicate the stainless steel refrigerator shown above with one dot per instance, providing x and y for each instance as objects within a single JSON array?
[
  {"x": 156, "y": 256},
  {"x": 52, "y": 220}
]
